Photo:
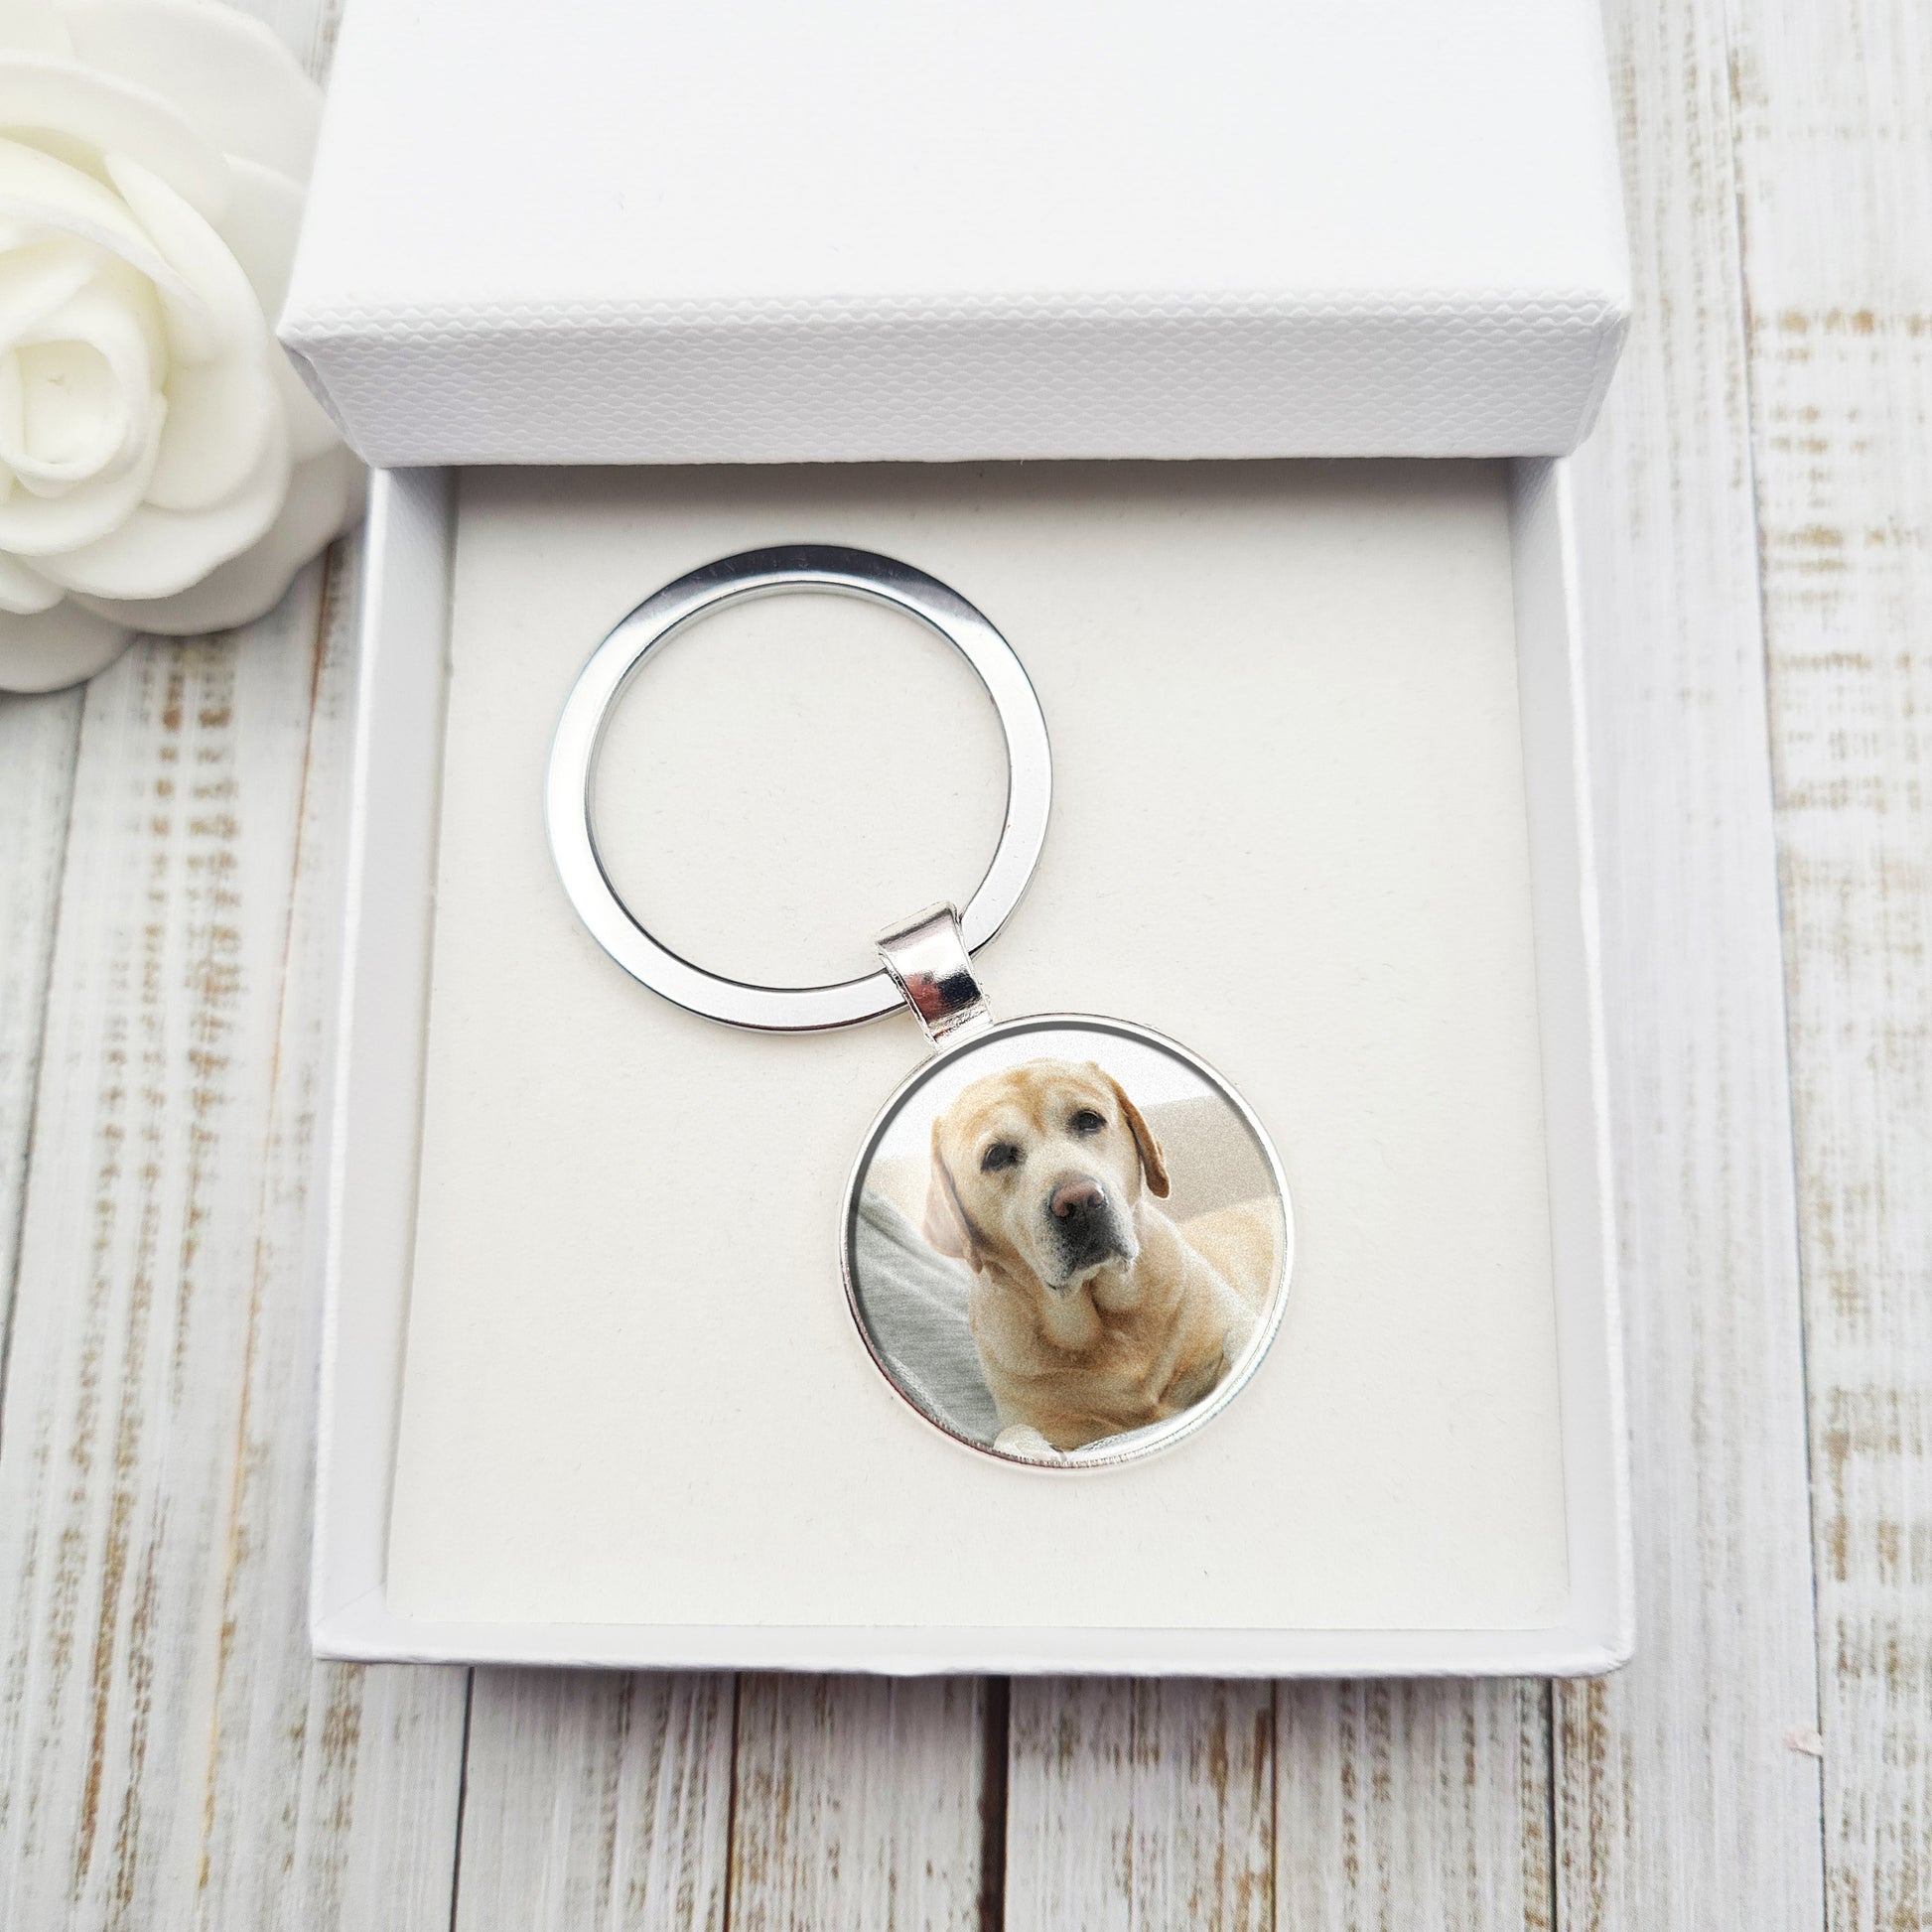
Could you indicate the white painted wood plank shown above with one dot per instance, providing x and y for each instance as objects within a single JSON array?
[
  {"x": 1835, "y": 150},
  {"x": 860, "y": 1803},
  {"x": 336, "y": 1789},
  {"x": 163, "y": 900},
  {"x": 169, "y": 1756},
  {"x": 603, "y": 1800},
  {"x": 38, "y": 741},
  {"x": 174, "y": 1756},
  {"x": 308, "y": 27},
  {"x": 1139, "y": 1804},
  {"x": 1406, "y": 1804},
  {"x": 1679, "y": 1801},
  {"x": 596, "y": 1801}
]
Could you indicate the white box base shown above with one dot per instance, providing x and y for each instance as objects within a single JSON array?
[{"x": 488, "y": 1492}]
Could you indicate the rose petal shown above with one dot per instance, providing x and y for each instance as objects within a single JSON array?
[
  {"x": 40, "y": 189},
  {"x": 136, "y": 297},
  {"x": 50, "y": 648},
  {"x": 261, "y": 225},
  {"x": 35, "y": 280},
  {"x": 227, "y": 73},
  {"x": 25, "y": 591},
  {"x": 42, "y": 527},
  {"x": 225, "y": 314},
  {"x": 325, "y": 497},
  {"x": 261, "y": 228},
  {"x": 157, "y": 552},
  {"x": 49, "y": 194},
  {"x": 78, "y": 397},
  {"x": 74, "y": 421},
  {"x": 219, "y": 417},
  {"x": 38, "y": 91},
  {"x": 33, "y": 27}
]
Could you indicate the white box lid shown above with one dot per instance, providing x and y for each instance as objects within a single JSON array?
[{"x": 751, "y": 231}]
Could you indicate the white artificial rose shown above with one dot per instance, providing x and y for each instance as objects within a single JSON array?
[{"x": 161, "y": 467}]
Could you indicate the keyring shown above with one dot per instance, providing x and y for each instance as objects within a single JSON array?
[
  {"x": 569, "y": 795},
  {"x": 1066, "y": 1240}
]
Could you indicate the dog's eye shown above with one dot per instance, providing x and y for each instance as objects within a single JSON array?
[
  {"x": 1086, "y": 1121},
  {"x": 1002, "y": 1154}
]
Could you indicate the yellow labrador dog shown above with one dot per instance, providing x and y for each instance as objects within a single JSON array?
[{"x": 1093, "y": 1312}]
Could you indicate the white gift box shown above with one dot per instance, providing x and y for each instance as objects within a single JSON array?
[
  {"x": 566, "y": 1420},
  {"x": 537, "y": 1448},
  {"x": 752, "y": 232}
]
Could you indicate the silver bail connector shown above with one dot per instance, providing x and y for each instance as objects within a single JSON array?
[{"x": 928, "y": 959}]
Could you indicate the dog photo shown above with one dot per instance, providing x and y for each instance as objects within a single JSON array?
[{"x": 1067, "y": 1242}]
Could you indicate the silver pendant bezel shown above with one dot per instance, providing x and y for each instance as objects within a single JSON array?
[{"x": 1142, "y": 1443}]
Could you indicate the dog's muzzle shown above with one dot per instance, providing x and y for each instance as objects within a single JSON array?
[{"x": 1087, "y": 1225}]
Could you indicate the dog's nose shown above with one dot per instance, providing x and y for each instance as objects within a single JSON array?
[{"x": 1077, "y": 1201}]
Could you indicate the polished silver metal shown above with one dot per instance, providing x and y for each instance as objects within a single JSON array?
[
  {"x": 927, "y": 960},
  {"x": 568, "y": 790},
  {"x": 1110, "y": 1451}
]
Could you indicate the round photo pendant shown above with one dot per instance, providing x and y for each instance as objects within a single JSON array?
[{"x": 1067, "y": 1241}]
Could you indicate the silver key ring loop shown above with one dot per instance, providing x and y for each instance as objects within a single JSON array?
[{"x": 569, "y": 785}]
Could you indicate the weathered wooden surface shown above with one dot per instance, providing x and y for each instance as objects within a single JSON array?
[
  {"x": 169, "y": 1748},
  {"x": 861, "y": 1802},
  {"x": 1833, "y": 113},
  {"x": 596, "y": 1801},
  {"x": 1139, "y": 1804},
  {"x": 170, "y": 1753},
  {"x": 38, "y": 741},
  {"x": 1413, "y": 1804},
  {"x": 1761, "y": 493},
  {"x": 1679, "y": 1801}
]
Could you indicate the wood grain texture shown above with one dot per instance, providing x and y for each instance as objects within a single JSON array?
[
  {"x": 171, "y": 1756},
  {"x": 345, "y": 1779},
  {"x": 1139, "y": 1804},
  {"x": 1835, "y": 152},
  {"x": 596, "y": 1801},
  {"x": 308, "y": 27},
  {"x": 39, "y": 737},
  {"x": 1406, "y": 1804},
  {"x": 1680, "y": 1802},
  {"x": 860, "y": 1803}
]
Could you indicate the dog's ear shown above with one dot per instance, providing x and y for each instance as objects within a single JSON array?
[
  {"x": 1153, "y": 1165},
  {"x": 947, "y": 1230}
]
